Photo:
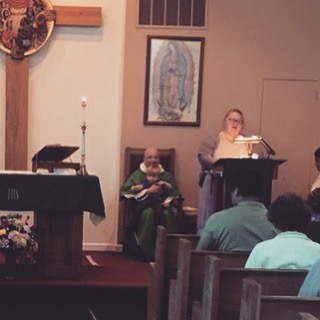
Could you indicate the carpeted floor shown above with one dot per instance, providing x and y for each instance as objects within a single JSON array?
[{"x": 116, "y": 289}]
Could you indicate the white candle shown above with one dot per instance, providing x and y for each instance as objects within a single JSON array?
[{"x": 84, "y": 106}]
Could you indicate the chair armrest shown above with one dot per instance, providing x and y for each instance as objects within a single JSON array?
[{"x": 175, "y": 204}]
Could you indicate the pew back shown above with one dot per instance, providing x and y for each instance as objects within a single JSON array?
[
  {"x": 172, "y": 247},
  {"x": 273, "y": 282},
  {"x": 197, "y": 268},
  {"x": 165, "y": 266},
  {"x": 162, "y": 269},
  {"x": 191, "y": 271},
  {"x": 257, "y": 306},
  {"x": 285, "y": 307}
]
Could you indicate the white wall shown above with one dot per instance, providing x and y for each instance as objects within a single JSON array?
[{"x": 79, "y": 61}]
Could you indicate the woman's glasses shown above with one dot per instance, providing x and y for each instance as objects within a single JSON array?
[{"x": 235, "y": 121}]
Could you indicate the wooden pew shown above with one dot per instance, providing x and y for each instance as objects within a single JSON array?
[
  {"x": 273, "y": 281},
  {"x": 189, "y": 283},
  {"x": 165, "y": 268},
  {"x": 256, "y": 305},
  {"x": 172, "y": 247},
  {"x": 223, "y": 293}
]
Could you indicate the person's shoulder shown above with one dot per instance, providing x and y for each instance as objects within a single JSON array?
[
  {"x": 219, "y": 216},
  {"x": 315, "y": 244},
  {"x": 209, "y": 141},
  {"x": 138, "y": 172},
  {"x": 165, "y": 174},
  {"x": 265, "y": 244},
  {"x": 255, "y": 207},
  {"x": 136, "y": 176}
]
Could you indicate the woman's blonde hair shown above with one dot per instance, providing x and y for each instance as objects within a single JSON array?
[
  {"x": 233, "y": 110},
  {"x": 226, "y": 116}
]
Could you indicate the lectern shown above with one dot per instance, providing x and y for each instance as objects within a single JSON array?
[
  {"x": 224, "y": 168},
  {"x": 51, "y": 157}
]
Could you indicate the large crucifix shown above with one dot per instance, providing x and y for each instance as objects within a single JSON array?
[{"x": 17, "y": 84}]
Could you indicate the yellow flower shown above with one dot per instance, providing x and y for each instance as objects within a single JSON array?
[{"x": 3, "y": 232}]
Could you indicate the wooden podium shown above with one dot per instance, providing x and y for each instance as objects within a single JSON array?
[{"x": 224, "y": 168}]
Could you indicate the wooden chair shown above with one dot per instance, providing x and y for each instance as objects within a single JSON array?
[
  {"x": 258, "y": 306},
  {"x": 145, "y": 250}
]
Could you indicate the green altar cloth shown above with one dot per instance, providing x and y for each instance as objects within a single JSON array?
[{"x": 51, "y": 192}]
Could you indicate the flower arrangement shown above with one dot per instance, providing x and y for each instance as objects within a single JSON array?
[{"x": 16, "y": 236}]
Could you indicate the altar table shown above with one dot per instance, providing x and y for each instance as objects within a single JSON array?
[{"x": 58, "y": 202}]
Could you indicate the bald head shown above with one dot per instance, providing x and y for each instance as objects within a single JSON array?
[{"x": 151, "y": 157}]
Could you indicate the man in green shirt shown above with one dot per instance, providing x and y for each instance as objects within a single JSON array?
[{"x": 241, "y": 227}]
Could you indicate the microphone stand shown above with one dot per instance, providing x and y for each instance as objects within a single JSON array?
[{"x": 269, "y": 150}]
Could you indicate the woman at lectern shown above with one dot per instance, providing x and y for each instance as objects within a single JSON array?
[{"x": 210, "y": 151}]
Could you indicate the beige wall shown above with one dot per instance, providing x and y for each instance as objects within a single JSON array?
[{"x": 245, "y": 42}]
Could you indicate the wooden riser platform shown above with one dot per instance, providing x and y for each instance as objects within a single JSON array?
[{"x": 116, "y": 289}]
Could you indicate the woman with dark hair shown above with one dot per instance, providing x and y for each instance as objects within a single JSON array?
[{"x": 291, "y": 248}]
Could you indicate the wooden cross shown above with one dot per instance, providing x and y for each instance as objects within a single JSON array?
[{"x": 17, "y": 86}]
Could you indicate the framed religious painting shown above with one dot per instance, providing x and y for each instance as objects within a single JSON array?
[{"x": 173, "y": 81}]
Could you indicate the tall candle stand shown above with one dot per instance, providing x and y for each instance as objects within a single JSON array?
[{"x": 82, "y": 170}]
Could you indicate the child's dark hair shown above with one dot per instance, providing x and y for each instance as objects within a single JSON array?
[
  {"x": 289, "y": 212},
  {"x": 248, "y": 182}
]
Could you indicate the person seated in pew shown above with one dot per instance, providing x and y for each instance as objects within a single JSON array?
[
  {"x": 291, "y": 248},
  {"x": 140, "y": 244},
  {"x": 241, "y": 227},
  {"x": 311, "y": 284},
  {"x": 313, "y": 229},
  {"x": 316, "y": 183}
]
